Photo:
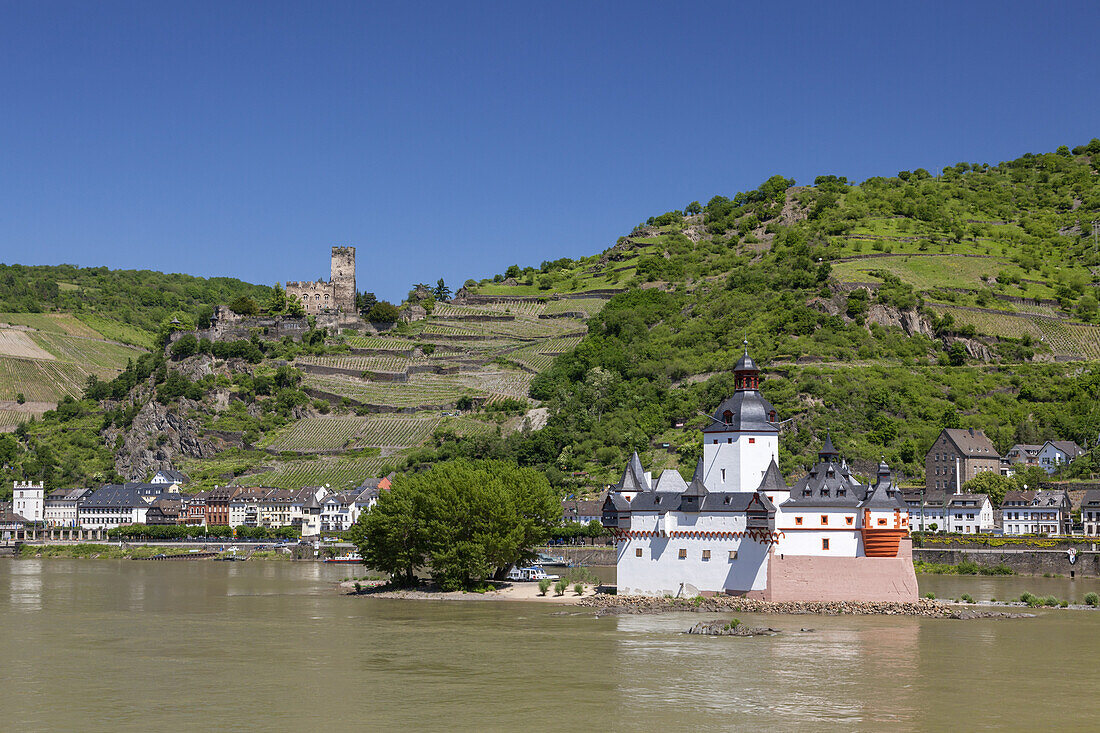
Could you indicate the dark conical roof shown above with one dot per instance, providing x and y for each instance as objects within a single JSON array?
[
  {"x": 773, "y": 479},
  {"x": 745, "y": 363},
  {"x": 696, "y": 487},
  {"x": 633, "y": 476},
  {"x": 827, "y": 450}
]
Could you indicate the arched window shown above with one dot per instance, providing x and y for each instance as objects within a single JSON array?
[{"x": 727, "y": 417}]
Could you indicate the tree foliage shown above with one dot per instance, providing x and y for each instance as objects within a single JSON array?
[{"x": 465, "y": 520}]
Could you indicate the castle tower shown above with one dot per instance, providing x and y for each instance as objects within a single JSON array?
[
  {"x": 743, "y": 438},
  {"x": 343, "y": 279}
]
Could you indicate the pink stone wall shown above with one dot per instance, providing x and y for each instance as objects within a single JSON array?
[{"x": 821, "y": 578}]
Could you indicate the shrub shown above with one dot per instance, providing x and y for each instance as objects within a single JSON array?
[
  {"x": 544, "y": 585},
  {"x": 1028, "y": 598},
  {"x": 733, "y": 624},
  {"x": 967, "y": 598},
  {"x": 579, "y": 589},
  {"x": 1092, "y": 599},
  {"x": 931, "y": 596},
  {"x": 560, "y": 586},
  {"x": 358, "y": 587}
]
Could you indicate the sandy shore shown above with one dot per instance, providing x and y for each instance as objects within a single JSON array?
[{"x": 505, "y": 592}]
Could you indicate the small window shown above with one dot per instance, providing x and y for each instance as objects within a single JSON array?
[
  {"x": 842, "y": 492},
  {"x": 716, "y": 441},
  {"x": 723, "y": 474},
  {"x": 798, "y": 520},
  {"x": 825, "y": 543},
  {"x": 706, "y": 554},
  {"x": 848, "y": 521},
  {"x": 683, "y": 554},
  {"x": 727, "y": 500},
  {"x": 727, "y": 417},
  {"x": 733, "y": 554},
  {"x": 729, "y": 441},
  {"x": 824, "y": 518},
  {"x": 638, "y": 552},
  {"x": 882, "y": 522},
  {"x": 752, "y": 440}
]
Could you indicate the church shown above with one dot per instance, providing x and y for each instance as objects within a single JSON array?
[{"x": 737, "y": 528}]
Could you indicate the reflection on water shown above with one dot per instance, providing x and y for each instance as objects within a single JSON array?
[{"x": 123, "y": 645}]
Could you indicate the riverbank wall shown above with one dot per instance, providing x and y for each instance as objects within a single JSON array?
[{"x": 1021, "y": 562}]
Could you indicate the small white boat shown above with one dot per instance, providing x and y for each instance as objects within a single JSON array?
[
  {"x": 347, "y": 558},
  {"x": 528, "y": 574}
]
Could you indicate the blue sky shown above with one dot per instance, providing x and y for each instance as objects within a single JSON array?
[{"x": 450, "y": 140}]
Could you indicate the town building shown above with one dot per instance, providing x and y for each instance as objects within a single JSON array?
[
  {"x": 244, "y": 507},
  {"x": 1055, "y": 453},
  {"x": 969, "y": 514},
  {"x": 217, "y": 505},
  {"x": 1090, "y": 513},
  {"x": 1047, "y": 456},
  {"x": 957, "y": 456},
  {"x": 1036, "y": 512},
  {"x": 737, "y": 528},
  {"x": 29, "y": 500},
  {"x": 169, "y": 476},
  {"x": 194, "y": 509},
  {"x": 60, "y": 508},
  {"x": 115, "y": 505},
  {"x": 337, "y": 511},
  {"x": 11, "y": 525},
  {"x": 311, "y": 516},
  {"x": 584, "y": 511}
]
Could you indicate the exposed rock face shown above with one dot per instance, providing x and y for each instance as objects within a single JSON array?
[
  {"x": 158, "y": 436},
  {"x": 909, "y": 321}
]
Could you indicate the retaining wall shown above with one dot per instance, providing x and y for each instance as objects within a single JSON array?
[{"x": 1022, "y": 562}]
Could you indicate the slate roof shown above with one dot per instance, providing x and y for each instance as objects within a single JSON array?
[
  {"x": 172, "y": 475},
  {"x": 572, "y": 508},
  {"x": 750, "y": 410},
  {"x": 8, "y": 517},
  {"x": 972, "y": 443},
  {"x": 1091, "y": 499},
  {"x": 827, "y": 484},
  {"x": 884, "y": 494},
  {"x": 670, "y": 480},
  {"x": 122, "y": 495},
  {"x": 773, "y": 479},
  {"x": 1069, "y": 447},
  {"x": 634, "y": 476}
]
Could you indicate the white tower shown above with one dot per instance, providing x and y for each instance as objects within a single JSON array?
[
  {"x": 743, "y": 437},
  {"x": 29, "y": 501}
]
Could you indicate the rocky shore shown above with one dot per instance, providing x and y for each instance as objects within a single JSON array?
[{"x": 606, "y": 604}]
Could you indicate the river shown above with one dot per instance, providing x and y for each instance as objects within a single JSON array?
[{"x": 123, "y": 645}]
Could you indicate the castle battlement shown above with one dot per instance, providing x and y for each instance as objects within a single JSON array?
[{"x": 335, "y": 296}]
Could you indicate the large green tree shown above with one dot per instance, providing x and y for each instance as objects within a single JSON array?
[{"x": 464, "y": 520}]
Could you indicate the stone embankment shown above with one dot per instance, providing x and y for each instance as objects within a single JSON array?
[{"x": 925, "y": 607}]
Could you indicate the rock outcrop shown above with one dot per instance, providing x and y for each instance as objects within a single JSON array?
[{"x": 158, "y": 436}]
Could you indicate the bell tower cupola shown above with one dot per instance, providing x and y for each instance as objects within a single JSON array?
[{"x": 742, "y": 438}]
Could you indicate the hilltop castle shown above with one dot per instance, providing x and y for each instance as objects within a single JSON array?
[
  {"x": 335, "y": 296},
  {"x": 738, "y": 529}
]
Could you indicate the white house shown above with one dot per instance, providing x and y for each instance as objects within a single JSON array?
[
  {"x": 168, "y": 476},
  {"x": 1036, "y": 512},
  {"x": 738, "y": 529},
  {"x": 29, "y": 500},
  {"x": 969, "y": 514},
  {"x": 61, "y": 506},
  {"x": 1054, "y": 453},
  {"x": 337, "y": 511},
  {"x": 1090, "y": 513},
  {"x": 115, "y": 505}
]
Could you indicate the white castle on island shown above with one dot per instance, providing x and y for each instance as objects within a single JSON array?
[{"x": 738, "y": 529}]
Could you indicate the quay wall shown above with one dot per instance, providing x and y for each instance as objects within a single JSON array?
[{"x": 1022, "y": 562}]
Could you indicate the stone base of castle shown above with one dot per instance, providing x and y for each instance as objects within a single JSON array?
[{"x": 817, "y": 578}]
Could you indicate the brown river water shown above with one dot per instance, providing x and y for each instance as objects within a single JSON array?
[{"x": 91, "y": 645}]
